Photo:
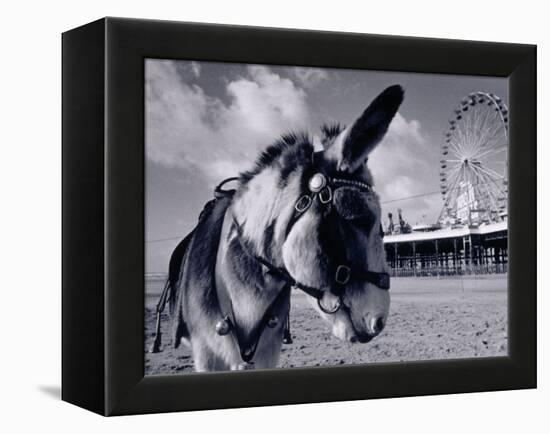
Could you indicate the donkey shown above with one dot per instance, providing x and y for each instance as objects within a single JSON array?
[{"x": 302, "y": 218}]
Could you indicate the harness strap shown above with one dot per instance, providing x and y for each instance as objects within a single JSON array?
[
  {"x": 219, "y": 192},
  {"x": 161, "y": 305},
  {"x": 287, "y": 336},
  {"x": 247, "y": 343}
]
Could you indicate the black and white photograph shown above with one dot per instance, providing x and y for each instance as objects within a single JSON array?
[
  {"x": 305, "y": 217},
  {"x": 278, "y": 216}
]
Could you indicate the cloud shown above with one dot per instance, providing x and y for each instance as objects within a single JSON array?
[
  {"x": 186, "y": 128},
  {"x": 217, "y": 137},
  {"x": 196, "y": 69},
  {"x": 308, "y": 77},
  {"x": 188, "y": 71},
  {"x": 402, "y": 169}
]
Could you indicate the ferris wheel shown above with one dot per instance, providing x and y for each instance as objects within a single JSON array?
[{"x": 474, "y": 175}]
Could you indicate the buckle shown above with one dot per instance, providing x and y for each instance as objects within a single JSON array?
[
  {"x": 303, "y": 203},
  {"x": 342, "y": 275},
  {"x": 325, "y": 195}
]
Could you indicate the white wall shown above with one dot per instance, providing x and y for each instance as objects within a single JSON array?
[{"x": 30, "y": 96}]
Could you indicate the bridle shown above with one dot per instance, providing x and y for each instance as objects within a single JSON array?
[{"x": 321, "y": 188}]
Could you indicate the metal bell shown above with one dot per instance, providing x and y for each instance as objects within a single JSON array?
[
  {"x": 273, "y": 321},
  {"x": 223, "y": 326}
]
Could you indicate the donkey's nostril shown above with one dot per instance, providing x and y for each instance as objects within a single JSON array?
[
  {"x": 379, "y": 324},
  {"x": 375, "y": 325}
]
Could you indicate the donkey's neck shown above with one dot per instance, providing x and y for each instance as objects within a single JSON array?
[
  {"x": 264, "y": 208},
  {"x": 250, "y": 289}
]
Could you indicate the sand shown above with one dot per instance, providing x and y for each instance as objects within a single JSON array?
[{"x": 429, "y": 319}]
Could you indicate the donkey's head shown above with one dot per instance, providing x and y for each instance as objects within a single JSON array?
[{"x": 315, "y": 215}]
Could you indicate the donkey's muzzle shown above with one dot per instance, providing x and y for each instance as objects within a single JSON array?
[
  {"x": 362, "y": 339},
  {"x": 375, "y": 325}
]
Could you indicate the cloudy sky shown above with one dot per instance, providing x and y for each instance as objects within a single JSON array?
[{"x": 208, "y": 121}]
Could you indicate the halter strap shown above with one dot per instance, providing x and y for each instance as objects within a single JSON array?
[
  {"x": 321, "y": 188},
  {"x": 342, "y": 276}
]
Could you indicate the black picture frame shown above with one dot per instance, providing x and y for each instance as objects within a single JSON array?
[{"x": 103, "y": 216}]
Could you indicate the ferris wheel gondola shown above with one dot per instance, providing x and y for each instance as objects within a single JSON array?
[{"x": 473, "y": 176}]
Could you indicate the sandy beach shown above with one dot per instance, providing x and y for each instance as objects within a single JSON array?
[{"x": 429, "y": 319}]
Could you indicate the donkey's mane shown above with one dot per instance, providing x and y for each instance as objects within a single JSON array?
[
  {"x": 288, "y": 150},
  {"x": 292, "y": 150},
  {"x": 331, "y": 131}
]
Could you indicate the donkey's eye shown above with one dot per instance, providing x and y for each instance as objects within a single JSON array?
[
  {"x": 364, "y": 224},
  {"x": 352, "y": 204}
]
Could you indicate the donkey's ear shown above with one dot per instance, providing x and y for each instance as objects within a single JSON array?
[{"x": 355, "y": 143}]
